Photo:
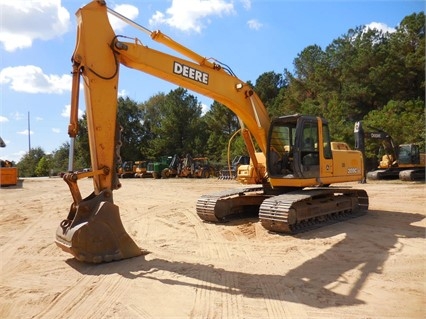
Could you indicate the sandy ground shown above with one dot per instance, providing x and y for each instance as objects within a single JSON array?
[{"x": 369, "y": 267}]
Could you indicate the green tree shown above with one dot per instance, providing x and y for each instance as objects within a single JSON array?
[
  {"x": 404, "y": 121},
  {"x": 153, "y": 115},
  {"x": 405, "y": 62},
  {"x": 179, "y": 129},
  {"x": 60, "y": 158},
  {"x": 221, "y": 123},
  {"x": 358, "y": 73},
  {"x": 81, "y": 146},
  {"x": 28, "y": 164},
  {"x": 130, "y": 117},
  {"x": 43, "y": 166},
  {"x": 267, "y": 87}
]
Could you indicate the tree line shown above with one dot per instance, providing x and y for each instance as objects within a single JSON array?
[{"x": 365, "y": 74}]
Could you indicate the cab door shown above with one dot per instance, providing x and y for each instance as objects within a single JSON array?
[
  {"x": 306, "y": 153},
  {"x": 325, "y": 153}
]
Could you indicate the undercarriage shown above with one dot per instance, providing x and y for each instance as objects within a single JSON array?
[{"x": 290, "y": 212}]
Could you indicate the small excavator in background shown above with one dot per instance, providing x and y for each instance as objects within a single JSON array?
[
  {"x": 404, "y": 161},
  {"x": 292, "y": 191}
]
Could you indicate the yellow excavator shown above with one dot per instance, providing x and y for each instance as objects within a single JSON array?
[
  {"x": 292, "y": 193},
  {"x": 404, "y": 161}
]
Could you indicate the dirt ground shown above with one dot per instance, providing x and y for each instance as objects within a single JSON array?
[{"x": 369, "y": 267}]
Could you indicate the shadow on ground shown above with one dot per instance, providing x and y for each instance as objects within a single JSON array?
[{"x": 312, "y": 283}]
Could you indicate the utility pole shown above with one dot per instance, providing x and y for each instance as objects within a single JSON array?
[{"x": 29, "y": 134}]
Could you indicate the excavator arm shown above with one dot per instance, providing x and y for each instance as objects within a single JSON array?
[{"x": 93, "y": 230}]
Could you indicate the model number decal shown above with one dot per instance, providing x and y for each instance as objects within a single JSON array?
[
  {"x": 353, "y": 170},
  {"x": 190, "y": 73}
]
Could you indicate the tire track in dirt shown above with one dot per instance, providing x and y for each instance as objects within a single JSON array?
[
  {"x": 240, "y": 238},
  {"x": 200, "y": 235},
  {"x": 218, "y": 286},
  {"x": 233, "y": 307},
  {"x": 139, "y": 311},
  {"x": 205, "y": 295},
  {"x": 17, "y": 245},
  {"x": 92, "y": 295},
  {"x": 215, "y": 247}
]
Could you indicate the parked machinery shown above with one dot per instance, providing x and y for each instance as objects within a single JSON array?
[
  {"x": 188, "y": 167},
  {"x": 8, "y": 173},
  {"x": 127, "y": 170},
  {"x": 178, "y": 167},
  {"x": 172, "y": 169},
  {"x": 230, "y": 172},
  {"x": 185, "y": 168},
  {"x": 142, "y": 169},
  {"x": 201, "y": 168},
  {"x": 404, "y": 161},
  {"x": 159, "y": 166}
]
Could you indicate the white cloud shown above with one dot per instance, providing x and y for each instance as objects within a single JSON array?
[
  {"x": 246, "y": 4},
  {"x": 56, "y": 130},
  {"x": 191, "y": 15},
  {"x": 38, "y": 118},
  {"x": 379, "y": 26},
  {"x": 122, "y": 93},
  {"x": 18, "y": 116},
  {"x": 25, "y": 132},
  {"x": 67, "y": 111},
  {"x": 254, "y": 24},
  {"x": 204, "y": 108},
  {"x": 3, "y": 119},
  {"x": 127, "y": 10},
  {"x": 22, "y": 22},
  {"x": 31, "y": 79}
]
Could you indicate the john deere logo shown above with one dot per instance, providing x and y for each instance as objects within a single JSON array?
[{"x": 190, "y": 73}]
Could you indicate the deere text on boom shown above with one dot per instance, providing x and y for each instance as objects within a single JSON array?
[{"x": 190, "y": 73}]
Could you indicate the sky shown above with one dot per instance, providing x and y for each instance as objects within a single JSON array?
[{"x": 37, "y": 39}]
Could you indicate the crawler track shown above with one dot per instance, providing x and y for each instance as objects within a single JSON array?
[
  {"x": 216, "y": 207},
  {"x": 292, "y": 212},
  {"x": 303, "y": 210},
  {"x": 412, "y": 174}
]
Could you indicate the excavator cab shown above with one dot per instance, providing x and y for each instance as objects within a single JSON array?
[
  {"x": 294, "y": 147},
  {"x": 408, "y": 154},
  {"x": 300, "y": 154}
]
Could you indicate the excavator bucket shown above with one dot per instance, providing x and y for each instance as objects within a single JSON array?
[{"x": 95, "y": 233}]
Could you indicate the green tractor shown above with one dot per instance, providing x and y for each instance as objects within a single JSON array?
[{"x": 159, "y": 166}]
